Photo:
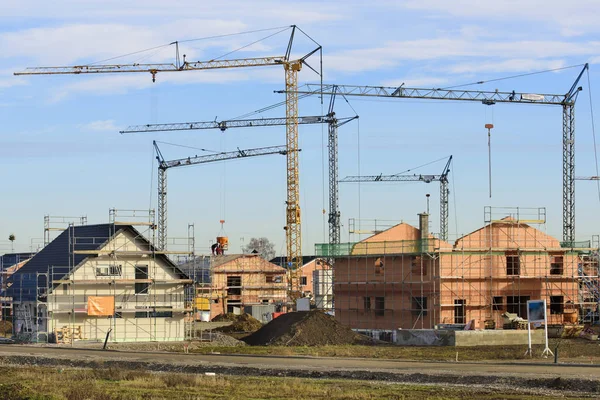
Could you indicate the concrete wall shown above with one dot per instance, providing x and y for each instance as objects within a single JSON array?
[
  {"x": 125, "y": 329},
  {"x": 434, "y": 337},
  {"x": 497, "y": 337}
]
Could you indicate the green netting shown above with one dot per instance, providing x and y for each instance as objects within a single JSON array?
[
  {"x": 581, "y": 244},
  {"x": 375, "y": 248}
]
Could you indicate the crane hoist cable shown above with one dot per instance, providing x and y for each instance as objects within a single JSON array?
[{"x": 593, "y": 129}]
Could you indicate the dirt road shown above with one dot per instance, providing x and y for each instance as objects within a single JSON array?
[{"x": 578, "y": 378}]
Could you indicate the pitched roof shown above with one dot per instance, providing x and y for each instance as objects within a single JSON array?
[
  {"x": 401, "y": 231},
  {"x": 58, "y": 255},
  {"x": 528, "y": 236},
  {"x": 197, "y": 269},
  {"x": 9, "y": 259},
  {"x": 282, "y": 261},
  {"x": 244, "y": 261},
  {"x": 217, "y": 261}
]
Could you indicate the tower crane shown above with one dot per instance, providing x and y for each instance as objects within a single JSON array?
[
  {"x": 164, "y": 165},
  {"x": 444, "y": 191},
  {"x": 291, "y": 68},
  {"x": 565, "y": 101},
  {"x": 330, "y": 119}
]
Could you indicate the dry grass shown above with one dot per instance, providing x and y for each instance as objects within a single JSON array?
[
  {"x": 571, "y": 350},
  {"x": 37, "y": 383}
]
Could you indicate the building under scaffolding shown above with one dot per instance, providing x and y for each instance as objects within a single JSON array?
[
  {"x": 405, "y": 278},
  {"x": 98, "y": 281}
]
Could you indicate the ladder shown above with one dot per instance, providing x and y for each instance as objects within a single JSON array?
[{"x": 22, "y": 313}]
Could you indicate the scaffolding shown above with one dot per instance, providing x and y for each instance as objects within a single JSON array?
[
  {"x": 54, "y": 223},
  {"x": 419, "y": 281},
  {"x": 243, "y": 280},
  {"x": 114, "y": 284}
]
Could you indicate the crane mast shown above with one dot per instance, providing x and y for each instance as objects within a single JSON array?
[
  {"x": 291, "y": 68},
  {"x": 566, "y": 101},
  {"x": 164, "y": 165},
  {"x": 444, "y": 191}
]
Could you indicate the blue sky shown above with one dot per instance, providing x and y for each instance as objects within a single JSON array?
[{"x": 61, "y": 152}]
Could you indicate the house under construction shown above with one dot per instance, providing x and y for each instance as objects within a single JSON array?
[
  {"x": 229, "y": 283},
  {"x": 405, "y": 278},
  {"x": 97, "y": 282}
]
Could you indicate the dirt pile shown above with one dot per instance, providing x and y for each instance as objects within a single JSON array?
[
  {"x": 241, "y": 323},
  {"x": 305, "y": 328}
]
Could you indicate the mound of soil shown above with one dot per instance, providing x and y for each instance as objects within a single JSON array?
[
  {"x": 241, "y": 323},
  {"x": 229, "y": 317},
  {"x": 305, "y": 328}
]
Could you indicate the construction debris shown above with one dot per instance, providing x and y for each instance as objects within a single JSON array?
[
  {"x": 305, "y": 328},
  {"x": 241, "y": 323}
]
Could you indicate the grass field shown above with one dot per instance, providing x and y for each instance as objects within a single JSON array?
[
  {"x": 571, "y": 350},
  {"x": 37, "y": 383}
]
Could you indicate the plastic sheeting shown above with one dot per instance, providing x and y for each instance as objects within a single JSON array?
[{"x": 101, "y": 305}]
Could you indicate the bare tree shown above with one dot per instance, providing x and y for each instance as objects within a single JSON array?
[{"x": 262, "y": 245}]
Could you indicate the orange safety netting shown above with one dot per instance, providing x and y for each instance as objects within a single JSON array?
[{"x": 101, "y": 306}]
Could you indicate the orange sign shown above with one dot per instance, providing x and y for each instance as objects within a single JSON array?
[{"x": 101, "y": 305}]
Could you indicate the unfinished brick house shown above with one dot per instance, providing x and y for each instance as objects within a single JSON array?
[
  {"x": 316, "y": 280},
  {"x": 240, "y": 280},
  {"x": 405, "y": 278}
]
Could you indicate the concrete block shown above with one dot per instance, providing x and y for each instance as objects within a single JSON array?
[{"x": 497, "y": 337}]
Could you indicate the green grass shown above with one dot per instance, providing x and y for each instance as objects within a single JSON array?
[
  {"x": 572, "y": 350},
  {"x": 37, "y": 383}
]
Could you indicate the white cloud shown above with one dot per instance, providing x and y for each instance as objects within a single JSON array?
[
  {"x": 7, "y": 79},
  {"x": 491, "y": 56},
  {"x": 265, "y": 14},
  {"x": 510, "y": 65},
  {"x": 417, "y": 82},
  {"x": 100, "y": 126},
  {"x": 572, "y": 18}
]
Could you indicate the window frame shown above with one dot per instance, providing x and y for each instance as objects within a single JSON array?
[
  {"x": 379, "y": 306},
  {"x": 498, "y": 306},
  {"x": 513, "y": 265},
  {"x": 419, "y": 306},
  {"x": 557, "y": 308}
]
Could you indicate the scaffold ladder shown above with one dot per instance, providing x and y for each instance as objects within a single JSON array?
[{"x": 23, "y": 314}]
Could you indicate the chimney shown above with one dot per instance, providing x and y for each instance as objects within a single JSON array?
[{"x": 424, "y": 229}]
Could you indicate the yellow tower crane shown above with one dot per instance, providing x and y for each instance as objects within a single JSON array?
[{"x": 291, "y": 67}]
